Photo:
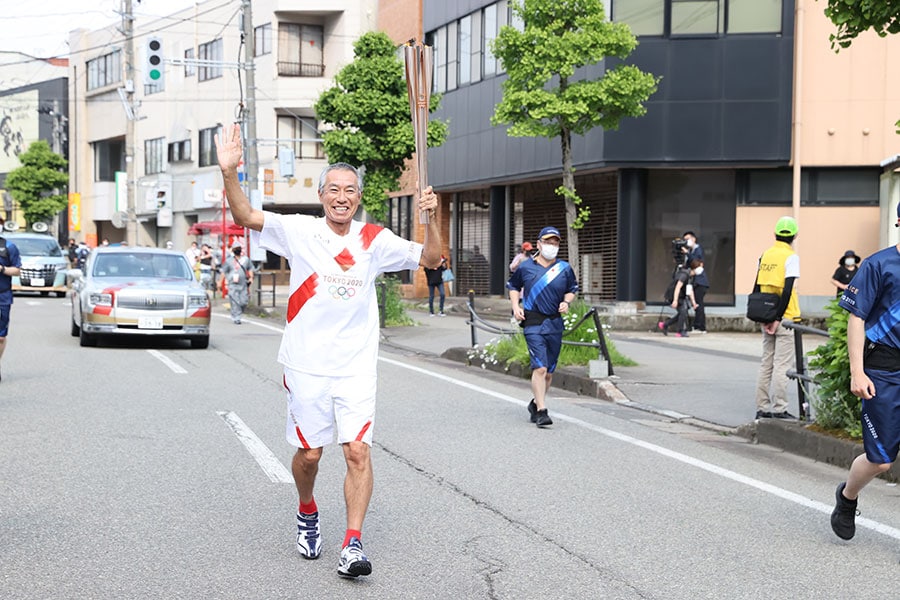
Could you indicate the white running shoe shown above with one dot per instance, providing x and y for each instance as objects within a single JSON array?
[
  {"x": 353, "y": 562},
  {"x": 309, "y": 538}
]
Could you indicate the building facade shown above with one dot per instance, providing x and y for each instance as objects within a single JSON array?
[
  {"x": 176, "y": 188},
  {"x": 736, "y": 136}
]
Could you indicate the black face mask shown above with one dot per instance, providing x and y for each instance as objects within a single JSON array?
[{"x": 4, "y": 251}]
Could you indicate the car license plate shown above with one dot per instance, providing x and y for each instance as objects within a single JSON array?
[
  {"x": 150, "y": 323},
  {"x": 37, "y": 283}
]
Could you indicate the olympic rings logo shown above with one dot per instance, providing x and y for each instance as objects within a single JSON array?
[{"x": 339, "y": 292}]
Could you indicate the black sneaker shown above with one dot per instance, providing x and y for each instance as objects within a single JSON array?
[
  {"x": 532, "y": 410},
  {"x": 843, "y": 517},
  {"x": 763, "y": 414},
  {"x": 782, "y": 415},
  {"x": 542, "y": 419}
]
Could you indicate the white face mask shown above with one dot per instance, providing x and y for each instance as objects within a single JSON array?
[
  {"x": 549, "y": 252},
  {"x": 690, "y": 243},
  {"x": 849, "y": 262}
]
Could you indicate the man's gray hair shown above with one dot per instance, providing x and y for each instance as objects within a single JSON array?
[{"x": 340, "y": 166}]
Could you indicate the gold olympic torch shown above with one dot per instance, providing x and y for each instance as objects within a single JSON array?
[{"x": 419, "y": 62}]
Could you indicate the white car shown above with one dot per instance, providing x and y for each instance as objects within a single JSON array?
[
  {"x": 138, "y": 291},
  {"x": 43, "y": 264}
]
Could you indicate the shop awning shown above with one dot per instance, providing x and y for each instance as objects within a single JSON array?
[{"x": 215, "y": 228}]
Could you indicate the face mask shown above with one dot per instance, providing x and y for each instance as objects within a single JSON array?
[
  {"x": 549, "y": 252},
  {"x": 698, "y": 270},
  {"x": 690, "y": 243},
  {"x": 849, "y": 262}
]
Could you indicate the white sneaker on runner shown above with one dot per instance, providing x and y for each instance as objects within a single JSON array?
[
  {"x": 309, "y": 537},
  {"x": 353, "y": 562}
]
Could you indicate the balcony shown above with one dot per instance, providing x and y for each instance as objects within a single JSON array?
[{"x": 297, "y": 69}]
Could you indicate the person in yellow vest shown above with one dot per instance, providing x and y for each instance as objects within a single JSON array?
[{"x": 779, "y": 269}]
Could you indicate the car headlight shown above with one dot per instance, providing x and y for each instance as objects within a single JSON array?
[
  {"x": 100, "y": 299},
  {"x": 198, "y": 301}
]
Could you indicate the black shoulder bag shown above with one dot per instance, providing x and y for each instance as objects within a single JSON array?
[{"x": 762, "y": 307}]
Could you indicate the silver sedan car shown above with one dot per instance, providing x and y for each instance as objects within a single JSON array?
[{"x": 138, "y": 291}]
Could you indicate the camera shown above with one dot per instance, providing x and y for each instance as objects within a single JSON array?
[{"x": 678, "y": 253}]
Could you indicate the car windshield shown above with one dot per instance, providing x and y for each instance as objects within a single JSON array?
[
  {"x": 143, "y": 264},
  {"x": 36, "y": 246}
]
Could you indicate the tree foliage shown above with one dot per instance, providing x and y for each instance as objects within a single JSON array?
[
  {"x": 36, "y": 184},
  {"x": 853, "y": 17},
  {"x": 368, "y": 112},
  {"x": 543, "y": 97}
]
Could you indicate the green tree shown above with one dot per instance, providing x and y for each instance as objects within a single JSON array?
[
  {"x": 368, "y": 111},
  {"x": 543, "y": 98},
  {"x": 36, "y": 184},
  {"x": 853, "y": 17}
]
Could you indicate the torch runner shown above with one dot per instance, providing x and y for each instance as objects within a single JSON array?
[{"x": 419, "y": 61}]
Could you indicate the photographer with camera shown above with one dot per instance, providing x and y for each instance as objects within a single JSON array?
[
  {"x": 679, "y": 294},
  {"x": 10, "y": 265},
  {"x": 700, "y": 282}
]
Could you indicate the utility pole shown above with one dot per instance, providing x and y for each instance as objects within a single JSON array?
[
  {"x": 251, "y": 162},
  {"x": 128, "y": 17}
]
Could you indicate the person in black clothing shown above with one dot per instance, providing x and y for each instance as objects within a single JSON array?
[
  {"x": 435, "y": 279},
  {"x": 682, "y": 299},
  {"x": 849, "y": 264},
  {"x": 700, "y": 283}
]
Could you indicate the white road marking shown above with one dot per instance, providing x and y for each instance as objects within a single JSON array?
[
  {"x": 251, "y": 322},
  {"x": 175, "y": 367},
  {"x": 270, "y": 464},
  {"x": 688, "y": 460}
]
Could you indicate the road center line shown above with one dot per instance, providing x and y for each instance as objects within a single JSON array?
[
  {"x": 175, "y": 367},
  {"x": 684, "y": 458},
  {"x": 269, "y": 463}
]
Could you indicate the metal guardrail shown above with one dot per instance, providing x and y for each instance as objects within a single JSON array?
[
  {"x": 800, "y": 373},
  {"x": 476, "y": 322}
]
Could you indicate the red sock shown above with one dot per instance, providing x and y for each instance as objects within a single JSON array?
[
  {"x": 350, "y": 534},
  {"x": 308, "y": 508}
]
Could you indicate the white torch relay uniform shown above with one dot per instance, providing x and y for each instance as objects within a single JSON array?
[{"x": 330, "y": 344}]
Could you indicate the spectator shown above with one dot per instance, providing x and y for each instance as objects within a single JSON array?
[
  {"x": 681, "y": 299},
  {"x": 435, "y": 279},
  {"x": 699, "y": 283},
  {"x": 237, "y": 272},
  {"x": 847, "y": 267},
  {"x": 524, "y": 252},
  {"x": 779, "y": 269}
]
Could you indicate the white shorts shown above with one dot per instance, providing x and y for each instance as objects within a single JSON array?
[{"x": 317, "y": 403}]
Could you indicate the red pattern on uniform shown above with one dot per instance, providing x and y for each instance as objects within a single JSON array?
[
  {"x": 368, "y": 233},
  {"x": 303, "y": 293},
  {"x": 301, "y": 438},
  {"x": 345, "y": 259},
  {"x": 362, "y": 432}
]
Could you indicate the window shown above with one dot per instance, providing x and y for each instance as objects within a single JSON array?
[
  {"x": 300, "y": 50},
  {"x": 210, "y": 51},
  {"x": 452, "y": 55},
  {"x": 698, "y": 17},
  {"x": 303, "y": 135},
  {"x": 754, "y": 16},
  {"x": 208, "y": 146},
  {"x": 438, "y": 41},
  {"x": 104, "y": 70},
  {"x": 262, "y": 39},
  {"x": 189, "y": 69},
  {"x": 155, "y": 87},
  {"x": 645, "y": 17},
  {"x": 840, "y": 187},
  {"x": 490, "y": 34},
  {"x": 180, "y": 151},
  {"x": 154, "y": 156},
  {"x": 465, "y": 49},
  {"x": 399, "y": 221},
  {"x": 109, "y": 157}
]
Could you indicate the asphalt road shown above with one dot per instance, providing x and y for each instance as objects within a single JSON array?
[{"x": 122, "y": 475}]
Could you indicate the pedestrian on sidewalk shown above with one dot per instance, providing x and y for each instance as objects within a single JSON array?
[
  {"x": 546, "y": 286},
  {"x": 329, "y": 348},
  {"x": 435, "y": 280},
  {"x": 238, "y": 273},
  {"x": 699, "y": 282},
  {"x": 779, "y": 269},
  {"x": 847, "y": 267},
  {"x": 525, "y": 252},
  {"x": 681, "y": 299},
  {"x": 873, "y": 346}
]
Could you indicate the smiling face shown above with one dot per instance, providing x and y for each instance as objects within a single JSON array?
[{"x": 340, "y": 197}]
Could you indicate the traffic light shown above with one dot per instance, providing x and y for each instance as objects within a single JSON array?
[{"x": 153, "y": 63}]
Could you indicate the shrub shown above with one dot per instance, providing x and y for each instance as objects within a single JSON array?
[
  {"x": 394, "y": 311},
  {"x": 835, "y": 407},
  {"x": 511, "y": 349}
]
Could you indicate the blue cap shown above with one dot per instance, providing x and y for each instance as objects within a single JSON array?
[{"x": 549, "y": 232}]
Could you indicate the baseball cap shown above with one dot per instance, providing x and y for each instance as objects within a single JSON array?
[
  {"x": 786, "y": 226},
  {"x": 527, "y": 247},
  {"x": 549, "y": 232}
]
